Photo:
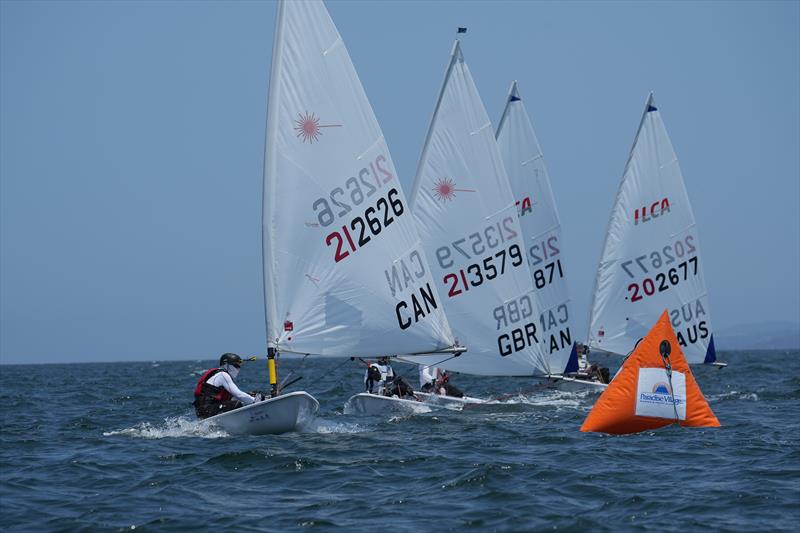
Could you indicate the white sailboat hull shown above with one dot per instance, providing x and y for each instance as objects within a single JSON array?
[
  {"x": 449, "y": 401},
  {"x": 374, "y": 404},
  {"x": 569, "y": 383},
  {"x": 269, "y": 417}
]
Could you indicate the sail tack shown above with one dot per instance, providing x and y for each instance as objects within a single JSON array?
[
  {"x": 538, "y": 216},
  {"x": 344, "y": 271},
  {"x": 651, "y": 257},
  {"x": 467, "y": 218}
]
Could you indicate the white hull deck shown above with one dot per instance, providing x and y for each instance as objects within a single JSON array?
[
  {"x": 373, "y": 404},
  {"x": 450, "y": 401},
  {"x": 571, "y": 383},
  {"x": 365, "y": 403},
  {"x": 268, "y": 417}
]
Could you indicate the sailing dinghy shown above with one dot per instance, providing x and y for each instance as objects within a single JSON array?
[
  {"x": 651, "y": 255},
  {"x": 467, "y": 218},
  {"x": 538, "y": 217},
  {"x": 344, "y": 272},
  {"x": 369, "y": 404},
  {"x": 279, "y": 414}
]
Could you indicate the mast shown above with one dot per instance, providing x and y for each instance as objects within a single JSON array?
[
  {"x": 455, "y": 54},
  {"x": 270, "y": 153},
  {"x": 270, "y": 312},
  {"x": 589, "y": 343},
  {"x": 513, "y": 96}
]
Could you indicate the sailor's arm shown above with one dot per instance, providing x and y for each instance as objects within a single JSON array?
[{"x": 230, "y": 386}]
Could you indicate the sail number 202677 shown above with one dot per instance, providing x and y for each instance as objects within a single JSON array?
[
  {"x": 367, "y": 225},
  {"x": 656, "y": 282},
  {"x": 663, "y": 280}
]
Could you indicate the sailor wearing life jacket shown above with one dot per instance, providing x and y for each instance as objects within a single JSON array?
[
  {"x": 378, "y": 374},
  {"x": 216, "y": 392}
]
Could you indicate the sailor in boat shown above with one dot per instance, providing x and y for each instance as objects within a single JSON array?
[
  {"x": 590, "y": 371},
  {"x": 436, "y": 381},
  {"x": 378, "y": 374},
  {"x": 443, "y": 387},
  {"x": 398, "y": 388},
  {"x": 216, "y": 391},
  {"x": 381, "y": 376},
  {"x": 427, "y": 377}
]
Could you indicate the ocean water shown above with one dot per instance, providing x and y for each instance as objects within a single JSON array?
[{"x": 115, "y": 446}]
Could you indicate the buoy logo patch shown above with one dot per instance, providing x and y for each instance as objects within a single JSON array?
[
  {"x": 655, "y": 398},
  {"x": 661, "y": 388}
]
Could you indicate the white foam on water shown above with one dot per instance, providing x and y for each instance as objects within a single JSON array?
[
  {"x": 550, "y": 398},
  {"x": 751, "y": 396},
  {"x": 173, "y": 427},
  {"x": 321, "y": 425}
]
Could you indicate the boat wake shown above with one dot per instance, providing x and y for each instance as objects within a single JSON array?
[
  {"x": 180, "y": 426},
  {"x": 551, "y": 398},
  {"x": 323, "y": 426}
]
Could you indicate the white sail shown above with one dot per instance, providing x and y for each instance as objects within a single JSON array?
[
  {"x": 538, "y": 216},
  {"x": 468, "y": 223},
  {"x": 344, "y": 271},
  {"x": 651, "y": 256}
]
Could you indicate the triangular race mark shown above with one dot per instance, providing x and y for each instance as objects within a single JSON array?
[{"x": 615, "y": 412}]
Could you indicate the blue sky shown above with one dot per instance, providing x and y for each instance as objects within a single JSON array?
[{"x": 131, "y": 146}]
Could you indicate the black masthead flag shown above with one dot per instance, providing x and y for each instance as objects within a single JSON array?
[{"x": 462, "y": 30}]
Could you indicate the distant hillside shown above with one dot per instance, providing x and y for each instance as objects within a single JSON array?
[{"x": 771, "y": 335}]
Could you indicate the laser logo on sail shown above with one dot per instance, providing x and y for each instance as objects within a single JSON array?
[
  {"x": 308, "y": 128},
  {"x": 445, "y": 189}
]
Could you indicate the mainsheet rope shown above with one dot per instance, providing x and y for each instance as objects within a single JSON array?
[{"x": 664, "y": 349}]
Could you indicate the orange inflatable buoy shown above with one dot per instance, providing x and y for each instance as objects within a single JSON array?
[{"x": 654, "y": 388}]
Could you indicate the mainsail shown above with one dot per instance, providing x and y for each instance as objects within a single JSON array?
[
  {"x": 536, "y": 206},
  {"x": 651, "y": 256},
  {"x": 344, "y": 271},
  {"x": 465, "y": 213}
]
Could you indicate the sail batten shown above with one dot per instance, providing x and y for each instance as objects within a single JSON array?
[
  {"x": 651, "y": 253},
  {"x": 344, "y": 272}
]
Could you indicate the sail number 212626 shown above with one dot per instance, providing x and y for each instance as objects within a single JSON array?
[{"x": 361, "y": 229}]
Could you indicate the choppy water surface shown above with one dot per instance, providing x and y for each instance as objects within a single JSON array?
[{"x": 116, "y": 446}]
